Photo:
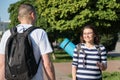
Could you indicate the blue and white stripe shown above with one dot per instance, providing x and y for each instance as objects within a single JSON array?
[{"x": 90, "y": 71}]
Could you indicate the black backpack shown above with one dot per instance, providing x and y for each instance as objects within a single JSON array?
[{"x": 20, "y": 63}]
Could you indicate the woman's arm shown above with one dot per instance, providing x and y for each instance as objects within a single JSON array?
[
  {"x": 73, "y": 72},
  {"x": 103, "y": 63}
]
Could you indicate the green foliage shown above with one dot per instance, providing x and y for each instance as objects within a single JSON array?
[
  {"x": 113, "y": 57},
  {"x": 72, "y": 14},
  {"x": 62, "y": 56},
  {"x": 69, "y": 16},
  {"x": 62, "y": 15},
  {"x": 65, "y": 18},
  {"x": 59, "y": 40},
  {"x": 111, "y": 76},
  {"x": 109, "y": 40}
]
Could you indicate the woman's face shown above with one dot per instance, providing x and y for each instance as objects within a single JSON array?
[{"x": 88, "y": 35}]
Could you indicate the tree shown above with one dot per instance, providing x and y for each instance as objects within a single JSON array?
[
  {"x": 68, "y": 16},
  {"x": 63, "y": 18}
]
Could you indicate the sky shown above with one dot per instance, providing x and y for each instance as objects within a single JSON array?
[{"x": 4, "y": 15}]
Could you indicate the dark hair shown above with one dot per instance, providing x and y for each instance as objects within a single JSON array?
[{"x": 96, "y": 38}]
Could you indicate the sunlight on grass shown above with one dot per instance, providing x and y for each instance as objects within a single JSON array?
[
  {"x": 107, "y": 76},
  {"x": 111, "y": 76},
  {"x": 62, "y": 56},
  {"x": 113, "y": 58}
]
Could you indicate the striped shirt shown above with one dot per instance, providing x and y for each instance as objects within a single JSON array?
[{"x": 88, "y": 70}]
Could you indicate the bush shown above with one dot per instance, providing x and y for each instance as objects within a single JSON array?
[{"x": 109, "y": 41}]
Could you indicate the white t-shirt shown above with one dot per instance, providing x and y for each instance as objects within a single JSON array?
[{"x": 40, "y": 44}]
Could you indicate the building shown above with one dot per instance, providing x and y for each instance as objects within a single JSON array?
[{"x": 3, "y": 27}]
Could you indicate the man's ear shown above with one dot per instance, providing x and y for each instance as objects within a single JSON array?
[
  {"x": 18, "y": 18},
  {"x": 33, "y": 15}
]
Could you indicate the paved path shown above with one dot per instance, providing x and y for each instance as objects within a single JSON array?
[{"x": 63, "y": 70}]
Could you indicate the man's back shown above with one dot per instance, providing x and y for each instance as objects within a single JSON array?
[{"x": 40, "y": 42}]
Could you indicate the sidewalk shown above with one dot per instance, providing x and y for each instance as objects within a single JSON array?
[{"x": 62, "y": 71}]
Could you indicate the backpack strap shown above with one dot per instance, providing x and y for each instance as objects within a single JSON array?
[
  {"x": 78, "y": 53},
  {"x": 78, "y": 48},
  {"x": 99, "y": 50},
  {"x": 27, "y": 32},
  {"x": 99, "y": 53},
  {"x": 13, "y": 30}
]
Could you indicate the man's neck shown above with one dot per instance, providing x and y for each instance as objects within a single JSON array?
[{"x": 24, "y": 21}]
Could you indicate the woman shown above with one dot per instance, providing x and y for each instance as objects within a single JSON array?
[{"x": 89, "y": 58}]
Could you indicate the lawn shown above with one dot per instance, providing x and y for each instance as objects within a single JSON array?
[
  {"x": 62, "y": 56},
  {"x": 111, "y": 76}
]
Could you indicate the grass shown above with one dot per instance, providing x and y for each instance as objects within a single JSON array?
[
  {"x": 111, "y": 76},
  {"x": 108, "y": 76},
  {"x": 62, "y": 56},
  {"x": 113, "y": 57}
]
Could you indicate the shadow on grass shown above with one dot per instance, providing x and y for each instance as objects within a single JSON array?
[{"x": 64, "y": 57}]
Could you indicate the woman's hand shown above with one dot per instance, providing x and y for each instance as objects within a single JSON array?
[{"x": 102, "y": 66}]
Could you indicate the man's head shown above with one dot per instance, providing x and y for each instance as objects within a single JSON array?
[{"x": 26, "y": 14}]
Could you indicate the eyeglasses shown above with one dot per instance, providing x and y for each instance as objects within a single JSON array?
[{"x": 89, "y": 33}]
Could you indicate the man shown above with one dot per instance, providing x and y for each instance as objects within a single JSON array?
[{"x": 40, "y": 42}]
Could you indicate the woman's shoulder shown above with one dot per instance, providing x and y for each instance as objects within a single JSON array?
[
  {"x": 101, "y": 46},
  {"x": 80, "y": 44}
]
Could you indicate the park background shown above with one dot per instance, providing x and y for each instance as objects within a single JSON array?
[{"x": 65, "y": 18}]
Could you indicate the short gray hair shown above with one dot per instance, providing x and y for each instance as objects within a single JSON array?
[{"x": 25, "y": 9}]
